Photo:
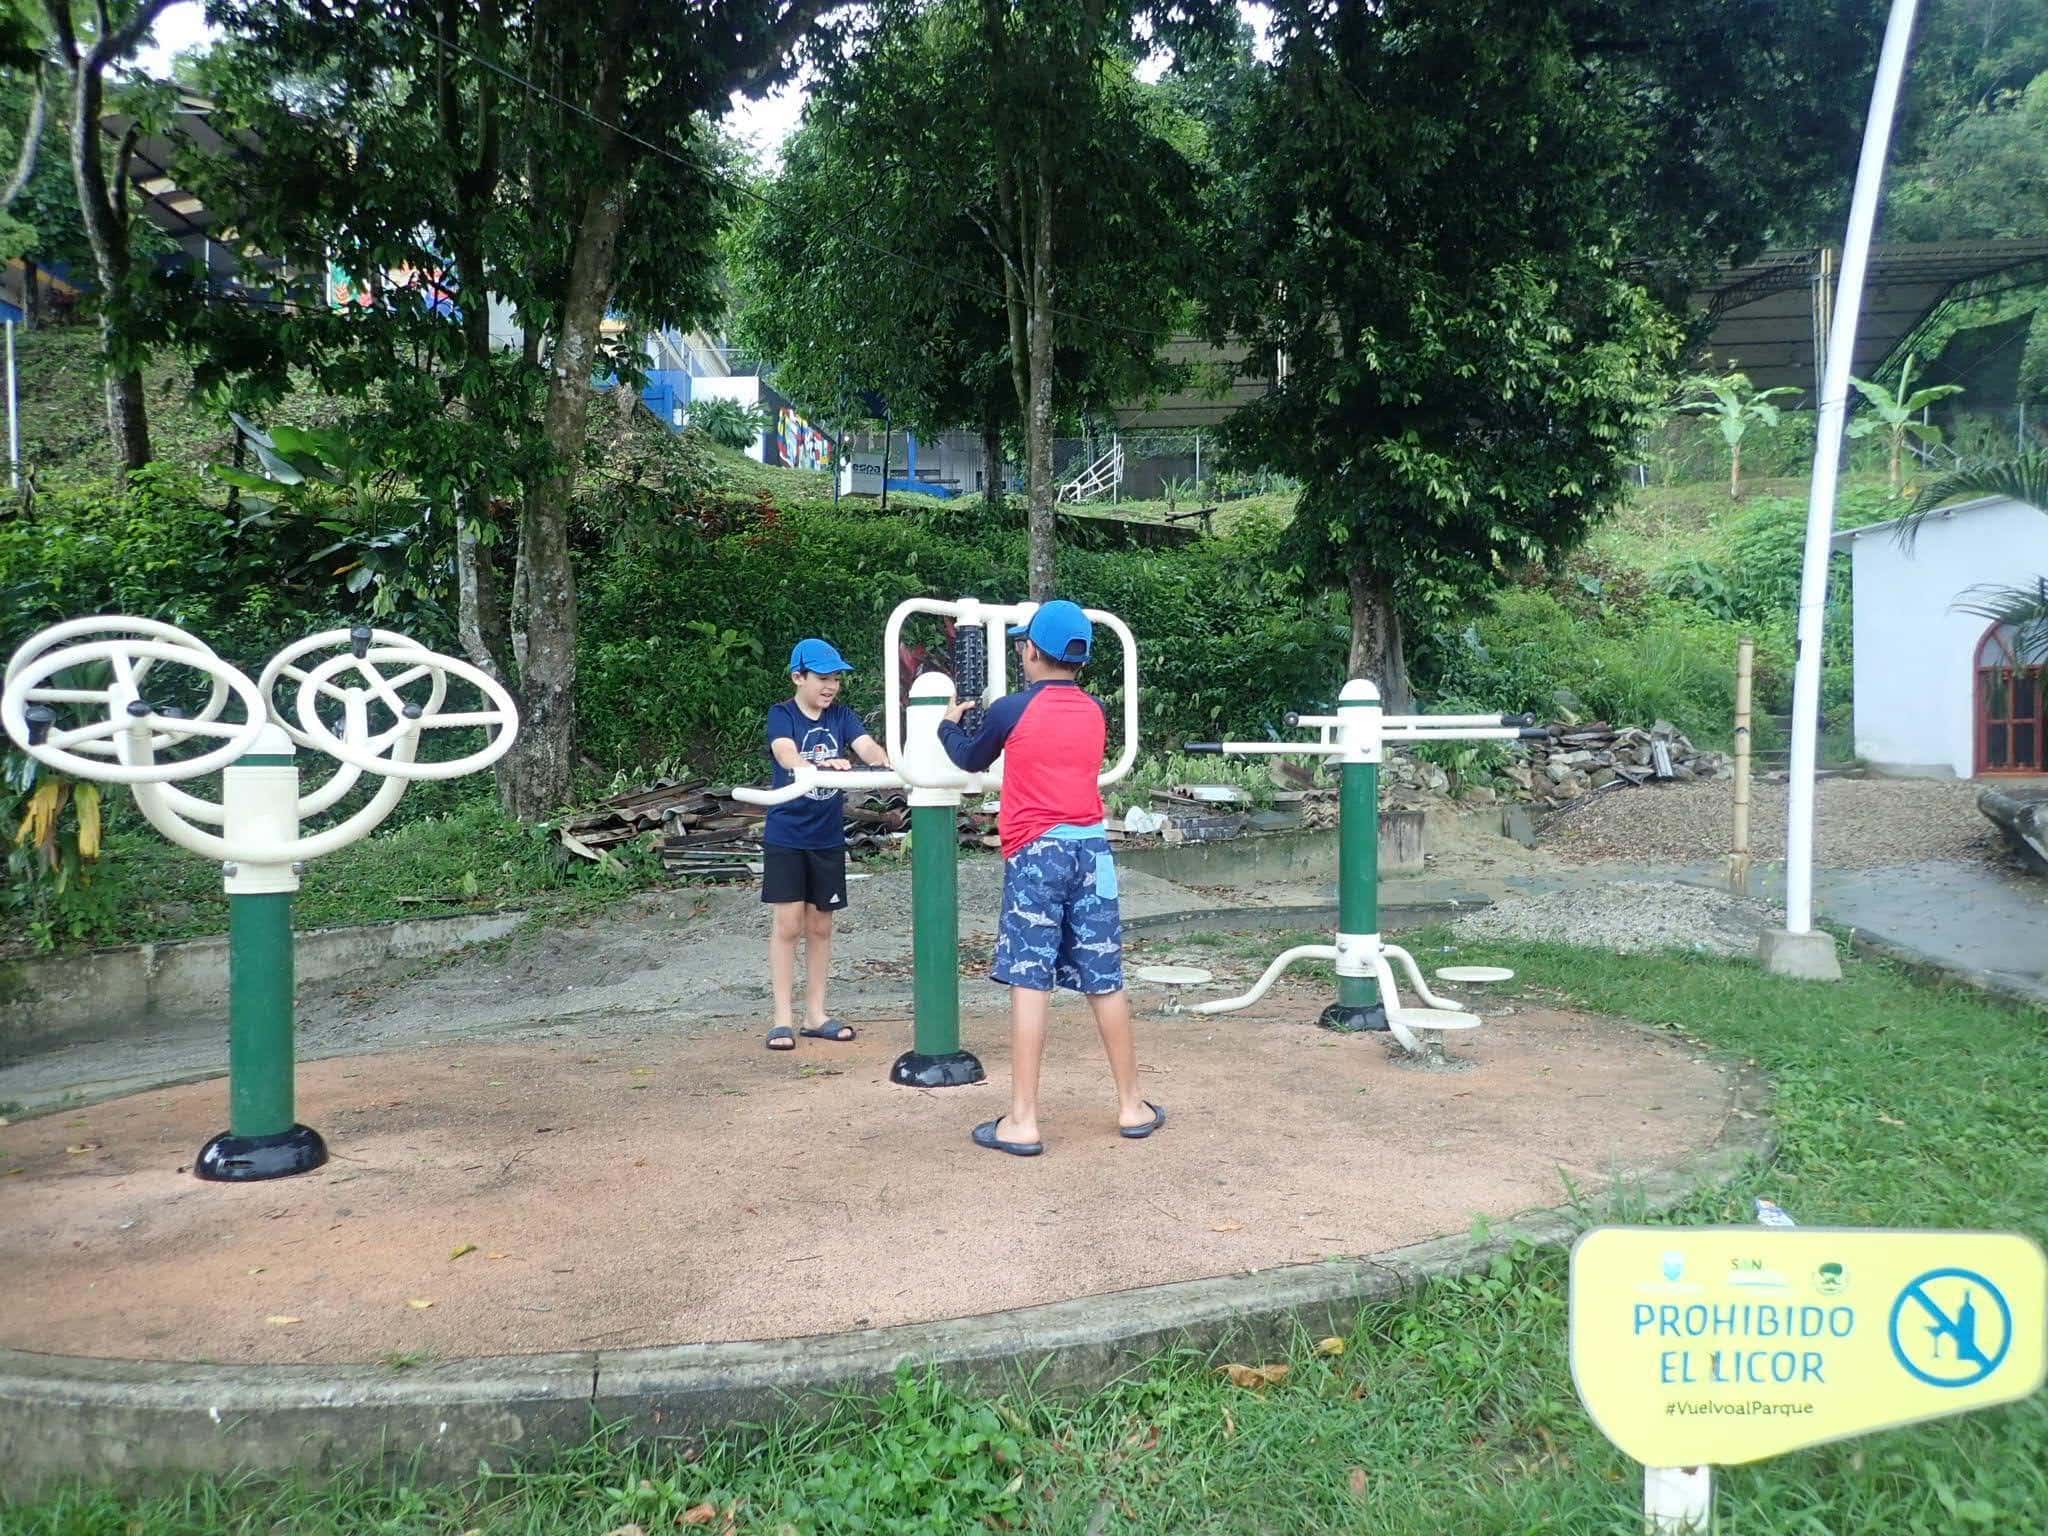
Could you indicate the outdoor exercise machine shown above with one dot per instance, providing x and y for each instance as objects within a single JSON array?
[
  {"x": 1367, "y": 998},
  {"x": 936, "y": 788},
  {"x": 366, "y": 705}
]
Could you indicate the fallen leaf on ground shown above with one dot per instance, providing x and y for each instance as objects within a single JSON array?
[
  {"x": 280, "y": 1321},
  {"x": 637, "y": 1085},
  {"x": 1331, "y": 1346},
  {"x": 1882, "y": 1120},
  {"x": 84, "y": 1146},
  {"x": 1229, "y": 1426},
  {"x": 626, "y": 1530},
  {"x": 698, "y": 1514},
  {"x": 1358, "y": 1480},
  {"x": 1228, "y": 1226},
  {"x": 419, "y": 1303},
  {"x": 257, "y": 1270},
  {"x": 460, "y": 1250},
  {"x": 497, "y": 1255},
  {"x": 1254, "y": 1375},
  {"x": 12, "y": 1172}
]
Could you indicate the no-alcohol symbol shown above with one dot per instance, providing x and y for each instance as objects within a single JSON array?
[{"x": 1951, "y": 1328}]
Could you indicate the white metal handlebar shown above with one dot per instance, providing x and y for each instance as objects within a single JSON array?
[
  {"x": 418, "y": 663},
  {"x": 110, "y": 626},
  {"x": 123, "y": 655},
  {"x": 808, "y": 776},
  {"x": 997, "y": 618}
]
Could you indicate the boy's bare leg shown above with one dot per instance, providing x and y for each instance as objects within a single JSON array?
[
  {"x": 1112, "y": 1012},
  {"x": 817, "y": 965},
  {"x": 1028, "y": 1010},
  {"x": 786, "y": 929}
]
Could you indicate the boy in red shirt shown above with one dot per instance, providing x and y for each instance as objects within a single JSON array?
[{"x": 1060, "y": 924}]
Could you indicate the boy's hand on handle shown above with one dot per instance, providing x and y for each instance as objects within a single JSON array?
[
  {"x": 838, "y": 764},
  {"x": 959, "y": 710}
]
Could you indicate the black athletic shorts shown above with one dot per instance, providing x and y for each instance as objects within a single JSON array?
[{"x": 815, "y": 875}]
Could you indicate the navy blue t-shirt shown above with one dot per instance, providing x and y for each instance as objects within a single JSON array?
[{"x": 816, "y": 819}]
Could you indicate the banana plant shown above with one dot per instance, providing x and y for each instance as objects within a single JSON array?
[
  {"x": 1895, "y": 415},
  {"x": 1736, "y": 405},
  {"x": 335, "y": 510}
]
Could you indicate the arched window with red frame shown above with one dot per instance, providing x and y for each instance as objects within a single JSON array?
[{"x": 2012, "y": 703}]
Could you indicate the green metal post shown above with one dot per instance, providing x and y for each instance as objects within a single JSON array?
[
  {"x": 260, "y": 1014},
  {"x": 935, "y": 927},
  {"x": 264, "y": 1139},
  {"x": 935, "y": 1059},
  {"x": 1358, "y": 871}
]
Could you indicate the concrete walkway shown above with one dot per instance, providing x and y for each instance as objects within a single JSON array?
[{"x": 1983, "y": 925}]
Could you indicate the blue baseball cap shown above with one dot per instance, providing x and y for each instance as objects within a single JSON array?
[
  {"x": 1060, "y": 629},
  {"x": 816, "y": 656}
]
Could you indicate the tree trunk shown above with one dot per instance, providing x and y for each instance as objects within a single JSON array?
[
  {"x": 1038, "y": 418},
  {"x": 1376, "y": 652},
  {"x": 1734, "y": 471},
  {"x": 106, "y": 230},
  {"x": 992, "y": 468},
  {"x": 535, "y": 777}
]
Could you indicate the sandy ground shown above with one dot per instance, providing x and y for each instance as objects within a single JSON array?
[
  {"x": 674, "y": 1186},
  {"x": 1859, "y": 824}
]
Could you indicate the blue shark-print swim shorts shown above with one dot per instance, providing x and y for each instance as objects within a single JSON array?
[{"x": 1061, "y": 925}]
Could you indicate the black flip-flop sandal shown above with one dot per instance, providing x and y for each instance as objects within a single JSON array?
[
  {"x": 830, "y": 1030},
  {"x": 985, "y": 1136},
  {"x": 784, "y": 1034},
  {"x": 1140, "y": 1132}
]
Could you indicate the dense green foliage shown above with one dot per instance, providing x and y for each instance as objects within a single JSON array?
[{"x": 1438, "y": 216}]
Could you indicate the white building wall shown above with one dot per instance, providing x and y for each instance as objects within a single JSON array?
[
  {"x": 1915, "y": 656},
  {"x": 743, "y": 387}
]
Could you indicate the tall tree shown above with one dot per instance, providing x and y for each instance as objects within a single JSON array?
[
  {"x": 85, "y": 55},
  {"x": 555, "y": 158},
  {"x": 1025, "y": 118},
  {"x": 866, "y": 265},
  {"x": 1465, "y": 230}
]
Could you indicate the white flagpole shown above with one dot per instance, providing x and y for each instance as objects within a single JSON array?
[{"x": 1827, "y": 456}]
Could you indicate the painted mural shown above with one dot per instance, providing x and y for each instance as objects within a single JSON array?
[{"x": 803, "y": 445}]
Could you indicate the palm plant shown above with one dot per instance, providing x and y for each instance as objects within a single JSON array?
[
  {"x": 1895, "y": 414},
  {"x": 2022, "y": 479},
  {"x": 1735, "y": 404}
]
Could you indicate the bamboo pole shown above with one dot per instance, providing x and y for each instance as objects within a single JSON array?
[{"x": 1738, "y": 858}]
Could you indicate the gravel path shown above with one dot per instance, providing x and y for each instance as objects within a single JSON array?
[
  {"x": 1862, "y": 824},
  {"x": 1627, "y": 916}
]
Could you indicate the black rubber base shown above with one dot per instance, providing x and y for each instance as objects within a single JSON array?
[
  {"x": 1349, "y": 1019},
  {"x": 229, "y": 1159},
  {"x": 955, "y": 1069}
]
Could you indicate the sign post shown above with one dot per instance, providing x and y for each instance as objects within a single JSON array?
[{"x": 1696, "y": 1347}]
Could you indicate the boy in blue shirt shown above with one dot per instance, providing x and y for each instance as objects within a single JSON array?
[{"x": 803, "y": 852}]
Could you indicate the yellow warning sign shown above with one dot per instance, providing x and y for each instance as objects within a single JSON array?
[{"x": 1696, "y": 1346}]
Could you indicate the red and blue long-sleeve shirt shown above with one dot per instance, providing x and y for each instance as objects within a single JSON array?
[{"x": 1051, "y": 738}]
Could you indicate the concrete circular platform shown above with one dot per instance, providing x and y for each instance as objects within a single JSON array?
[{"x": 672, "y": 1208}]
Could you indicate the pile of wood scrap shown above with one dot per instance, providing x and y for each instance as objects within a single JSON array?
[{"x": 706, "y": 834}]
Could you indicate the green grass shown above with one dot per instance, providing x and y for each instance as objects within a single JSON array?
[
  {"x": 468, "y": 858},
  {"x": 1899, "y": 1103}
]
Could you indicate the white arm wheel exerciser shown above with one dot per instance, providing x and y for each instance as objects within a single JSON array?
[
  {"x": 285, "y": 665},
  {"x": 127, "y": 712},
  {"x": 110, "y": 626},
  {"x": 504, "y": 715}
]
